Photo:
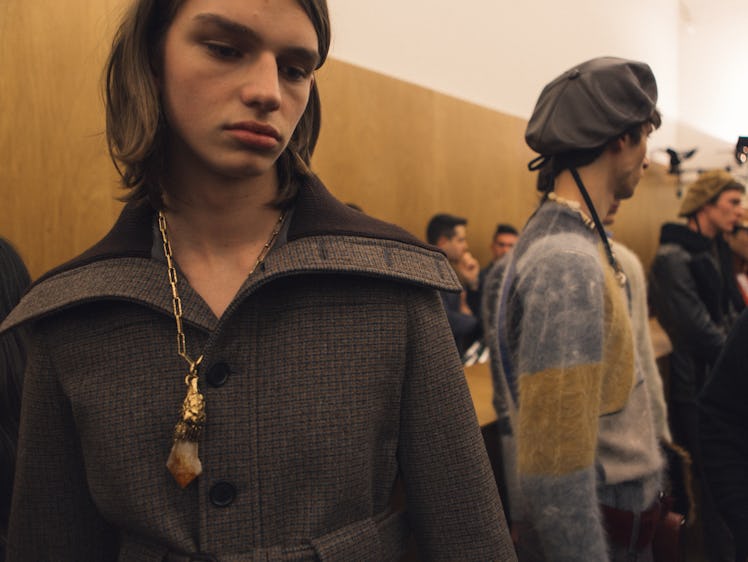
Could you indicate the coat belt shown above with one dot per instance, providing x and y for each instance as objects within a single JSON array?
[{"x": 374, "y": 539}]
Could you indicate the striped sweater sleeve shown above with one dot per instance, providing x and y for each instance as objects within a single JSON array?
[{"x": 560, "y": 366}]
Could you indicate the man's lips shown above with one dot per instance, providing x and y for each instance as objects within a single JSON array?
[{"x": 255, "y": 135}]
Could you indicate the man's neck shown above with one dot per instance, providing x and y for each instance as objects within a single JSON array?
[
  {"x": 703, "y": 226},
  {"x": 221, "y": 215},
  {"x": 594, "y": 181}
]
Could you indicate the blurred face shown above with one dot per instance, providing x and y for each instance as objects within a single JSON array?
[
  {"x": 456, "y": 246},
  {"x": 236, "y": 79},
  {"x": 724, "y": 213},
  {"x": 631, "y": 162},
  {"x": 502, "y": 244},
  {"x": 738, "y": 242}
]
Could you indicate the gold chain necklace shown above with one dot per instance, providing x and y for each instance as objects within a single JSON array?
[{"x": 183, "y": 462}]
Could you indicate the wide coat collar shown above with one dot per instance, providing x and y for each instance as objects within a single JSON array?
[{"x": 324, "y": 236}]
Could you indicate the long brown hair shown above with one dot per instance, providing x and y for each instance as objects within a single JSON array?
[{"x": 135, "y": 125}]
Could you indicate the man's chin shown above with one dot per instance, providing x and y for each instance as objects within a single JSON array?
[{"x": 625, "y": 193}]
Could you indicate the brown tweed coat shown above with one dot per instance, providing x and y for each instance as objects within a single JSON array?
[{"x": 331, "y": 373}]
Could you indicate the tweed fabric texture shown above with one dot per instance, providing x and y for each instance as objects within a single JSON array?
[
  {"x": 342, "y": 376},
  {"x": 583, "y": 424}
]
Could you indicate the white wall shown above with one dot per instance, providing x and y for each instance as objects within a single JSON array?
[
  {"x": 713, "y": 82},
  {"x": 499, "y": 54}
]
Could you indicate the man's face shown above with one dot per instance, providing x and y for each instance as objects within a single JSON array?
[
  {"x": 738, "y": 242},
  {"x": 502, "y": 243},
  {"x": 631, "y": 161},
  {"x": 455, "y": 246},
  {"x": 725, "y": 212}
]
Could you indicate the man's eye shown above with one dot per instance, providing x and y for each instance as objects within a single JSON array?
[
  {"x": 223, "y": 51},
  {"x": 294, "y": 73}
]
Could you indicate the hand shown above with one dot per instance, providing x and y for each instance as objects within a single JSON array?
[
  {"x": 464, "y": 308},
  {"x": 468, "y": 270}
]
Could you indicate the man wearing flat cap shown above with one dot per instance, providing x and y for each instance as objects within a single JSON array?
[
  {"x": 696, "y": 302},
  {"x": 587, "y": 458}
]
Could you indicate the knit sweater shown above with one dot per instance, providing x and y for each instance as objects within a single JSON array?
[
  {"x": 634, "y": 271},
  {"x": 584, "y": 426}
]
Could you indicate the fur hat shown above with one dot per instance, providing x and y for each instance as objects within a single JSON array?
[
  {"x": 590, "y": 104},
  {"x": 709, "y": 185}
]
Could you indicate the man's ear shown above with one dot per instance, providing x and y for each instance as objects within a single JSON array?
[
  {"x": 617, "y": 144},
  {"x": 441, "y": 241}
]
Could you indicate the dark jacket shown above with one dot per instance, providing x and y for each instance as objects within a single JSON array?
[
  {"x": 332, "y": 372},
  {"x": 724, "y": 433},
  {"x": 466, "y": 328},
  {"x": 691, "y": 293}
]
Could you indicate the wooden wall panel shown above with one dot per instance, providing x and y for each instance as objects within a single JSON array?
[
  {"x": 400, "y": 151},
  {"x": 57, "y": 187},
  {"x": 405, "y": 153}
]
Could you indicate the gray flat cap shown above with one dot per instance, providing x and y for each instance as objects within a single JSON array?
[{"x": 590, "y": 104}]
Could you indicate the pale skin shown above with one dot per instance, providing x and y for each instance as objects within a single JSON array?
[
  {"x": 236, "y": 79},
  {"x": 613, "y": 176}
]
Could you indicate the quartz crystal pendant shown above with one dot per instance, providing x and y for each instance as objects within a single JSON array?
[{"x": 183, "y": 461}]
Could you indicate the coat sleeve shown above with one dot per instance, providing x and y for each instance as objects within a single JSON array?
[
  {"x": 724, "y": 432},
  {"x": 452, "y": 501},
  {"x": 53, "y": 516}
]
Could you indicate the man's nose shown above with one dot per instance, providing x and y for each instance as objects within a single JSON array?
[{"x": 261, "y": 87}]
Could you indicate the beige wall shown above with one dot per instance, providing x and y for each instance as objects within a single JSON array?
[{"x": 400, "y": 151}]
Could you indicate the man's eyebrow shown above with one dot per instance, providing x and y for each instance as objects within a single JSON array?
[
  {"x": 225, "y": 23},
  {"x": 236, "y": 28}
]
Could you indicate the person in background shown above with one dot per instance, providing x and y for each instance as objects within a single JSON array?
[
  {"x": 449, "y": 234},
  {"x": 588, "y": 463},
  {"x": 14, "y": 281},
  {"x": 504, "y": 239},
  {"x": 305, "y": 341},
  {"x": 692, "y": 294},
  {"x": 723, "y": 433},
  {"x": 737, "y": 240}
]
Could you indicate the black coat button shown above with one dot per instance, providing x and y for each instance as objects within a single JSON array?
[
  {"x": 218, "y": 374},
  {"x": 222, "y": 494}
]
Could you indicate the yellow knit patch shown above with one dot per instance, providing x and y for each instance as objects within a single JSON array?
[
  {"x": 558, "y": 419},
  {"x": 618, "y": 346}
]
